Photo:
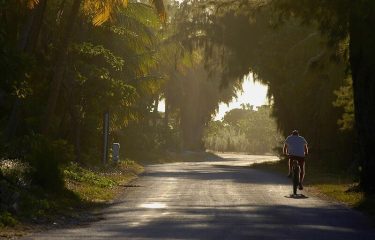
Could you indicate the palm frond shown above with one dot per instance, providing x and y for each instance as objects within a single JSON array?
[
  {"x": 101, "y": 10},
  {"x": 137, "y": 24},
  {"x": 32, "y": 3}
]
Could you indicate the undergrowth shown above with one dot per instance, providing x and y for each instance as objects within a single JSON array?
[{"x": 84, "y": 187}]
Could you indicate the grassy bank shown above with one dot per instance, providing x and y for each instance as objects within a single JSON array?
[
  {"x": 85, "y": 189},
  {"x": 335, "y": 185},
  {"x": 100, "y": 184}
]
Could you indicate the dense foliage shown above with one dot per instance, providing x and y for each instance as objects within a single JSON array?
[{"x": 65, "y": 63}]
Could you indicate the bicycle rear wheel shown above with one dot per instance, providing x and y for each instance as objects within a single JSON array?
[{"x": 296, "y": 173}]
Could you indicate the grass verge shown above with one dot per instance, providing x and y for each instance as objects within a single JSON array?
[
  {"x": 85, "y": 189},
  {"x": 100, "y": 184},
  {"x": 334, "y": 185}
]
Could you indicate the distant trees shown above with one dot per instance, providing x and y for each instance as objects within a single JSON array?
[{"x": 244, "y": 130}]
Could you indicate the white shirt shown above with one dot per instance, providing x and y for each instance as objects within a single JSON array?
[{"x": 296, "y": 145}]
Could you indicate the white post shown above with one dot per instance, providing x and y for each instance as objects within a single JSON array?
[{"x": 115, "y": 152}]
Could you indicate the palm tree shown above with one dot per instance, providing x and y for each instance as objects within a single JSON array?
[{"x": 101, "y": 11}]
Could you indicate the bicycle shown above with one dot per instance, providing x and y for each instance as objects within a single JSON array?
[{"x": 296, "y": 170}]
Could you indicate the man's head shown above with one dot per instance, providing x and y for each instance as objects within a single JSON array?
[{"x": 295, "y": 132}]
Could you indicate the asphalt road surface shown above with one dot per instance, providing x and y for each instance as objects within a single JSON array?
[{"x": 219, "y": 199}]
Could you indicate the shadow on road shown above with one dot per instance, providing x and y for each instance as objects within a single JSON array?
[
  {"x": 238, "y": 174},
  {"x": 237, "y": 222},
  {"x": 180, "y": 214},
  {"x": 296, "y": 196}
]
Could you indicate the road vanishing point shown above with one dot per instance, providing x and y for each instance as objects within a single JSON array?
[{"x": 221, "y": 198}]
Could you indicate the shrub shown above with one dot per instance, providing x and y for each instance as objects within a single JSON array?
[
  {"x": 15, "y": 171},
  {"x": 45, "y": 158},
  {"x": 6, "y": 219}
]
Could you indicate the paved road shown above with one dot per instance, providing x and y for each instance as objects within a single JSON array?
[{"x": 220, "y": 199}]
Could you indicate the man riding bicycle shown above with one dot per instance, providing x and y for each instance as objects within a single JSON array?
[{"x": 295, "y": 147}]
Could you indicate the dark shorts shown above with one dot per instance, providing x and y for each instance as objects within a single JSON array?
[
  {"x": 301, "y": 161},
  {"x": 291, "y": 157}
]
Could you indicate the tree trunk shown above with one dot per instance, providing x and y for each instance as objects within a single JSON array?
[
  {"x": 166, "y": 124},
  {"x": 362, "y": 60},
  {"x": 155, "y": 113},
  {"x": 76, "y": 121},
  {"x": 166, "y": 115},
  {"x": 33, "y": 36},
  {"x": 192, "y": 127},
  {"x": 60, "y": 61},
  {"x": 27, "y": 43}
]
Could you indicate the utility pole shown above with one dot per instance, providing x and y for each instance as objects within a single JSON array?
[{"x": 105, "y": 136}]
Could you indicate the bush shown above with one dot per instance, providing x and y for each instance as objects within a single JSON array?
[
  {"x": 34, "y": 204},
  {"x": 14, "y": 171},
  {"x": 45, "y": 158},
  {"x": 6, "y": 219}
]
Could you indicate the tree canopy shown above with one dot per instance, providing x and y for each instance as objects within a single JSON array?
[{"x": 65, "y": 63}]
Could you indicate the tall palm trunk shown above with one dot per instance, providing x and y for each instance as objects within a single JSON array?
[
  {"x": 60, "y": 61},
  {"x": 362, "y": 60}
]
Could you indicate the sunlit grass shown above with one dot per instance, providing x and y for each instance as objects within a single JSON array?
[
  {"x": 339, "y": 192},
  {"x": 100, "y": 185}
]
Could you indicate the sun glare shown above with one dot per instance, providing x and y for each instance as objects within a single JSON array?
[
  {"x": 254, "y": 93},
  {"x": 154, "y": 205}
]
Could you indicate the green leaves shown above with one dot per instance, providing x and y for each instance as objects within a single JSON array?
[
  {"x": 345, "y": 100},
  {"x": 90, "y": 50},
  {"x": 100, "y": 11}
]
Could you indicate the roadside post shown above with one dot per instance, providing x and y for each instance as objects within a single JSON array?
[
  {"x": 115, "y": 152},
  {"x": 105, "y": 137}
]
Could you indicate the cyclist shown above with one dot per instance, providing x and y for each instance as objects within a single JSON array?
[{"x": 295, "y": 147}]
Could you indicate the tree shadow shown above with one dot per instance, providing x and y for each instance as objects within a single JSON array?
[
  {"x": 238, "y": 174},
  {"x": 226, "y": 222}
]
